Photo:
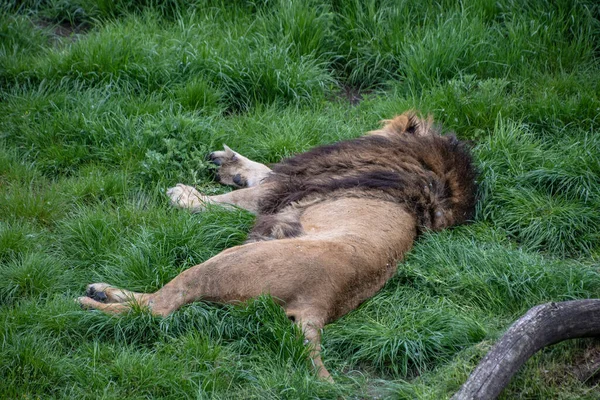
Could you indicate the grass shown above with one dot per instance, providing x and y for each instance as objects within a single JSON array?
[{"x": 103, "y": 105}]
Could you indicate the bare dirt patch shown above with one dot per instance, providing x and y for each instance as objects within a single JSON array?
[
  {"x": 587, "y": 365},
  {"x": 59, "y": 32},
  {"x": 354, "y": 95}
]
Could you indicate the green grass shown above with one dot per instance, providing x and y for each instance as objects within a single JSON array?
[{"x": 105, "y": 104}]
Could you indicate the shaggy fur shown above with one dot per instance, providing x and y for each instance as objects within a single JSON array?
[
  {"x": 332, "y": 224},
  {"x": 432, "y": 176}
]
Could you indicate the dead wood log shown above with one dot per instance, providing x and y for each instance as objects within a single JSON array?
[{"x": 541, "y": 326}]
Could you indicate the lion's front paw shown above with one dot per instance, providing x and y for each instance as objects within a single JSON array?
[
  {"x": 236, "y": 170},
  {"x": 184, "y": 196},
  {"x": 223, "y": 157},
  {"x": 230, "y": 167}
]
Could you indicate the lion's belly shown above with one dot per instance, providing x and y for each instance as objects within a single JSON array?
[
  {"x": 378, "y": 232},
  {"x": 382, "y": 225}
]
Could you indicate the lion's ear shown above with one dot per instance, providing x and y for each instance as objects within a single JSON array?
[
  {"x": 407, "y": 122},
  {"x": 404, "y": 123}
]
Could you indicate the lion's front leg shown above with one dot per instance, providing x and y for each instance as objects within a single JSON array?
[
  {"x": 234, "y": 170},
  {"x": 184, "y": 196}
]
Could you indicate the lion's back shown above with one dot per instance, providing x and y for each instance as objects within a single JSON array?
[{"x": 432, "y": 176}]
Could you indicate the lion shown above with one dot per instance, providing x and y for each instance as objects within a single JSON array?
[{"x": 331, "y": 225}]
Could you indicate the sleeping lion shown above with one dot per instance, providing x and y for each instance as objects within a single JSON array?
[{"x": 331, "y": 224}]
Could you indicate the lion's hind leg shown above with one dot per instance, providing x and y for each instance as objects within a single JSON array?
[
  {"x": 108, "y": 308},
  {"x": 110, "y": 299},
  {"x": 105, "y": 293}
]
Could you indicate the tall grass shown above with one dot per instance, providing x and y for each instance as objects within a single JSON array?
[
  {"x": 548, "y": 192},
  {"x": 103, "y": 105}
]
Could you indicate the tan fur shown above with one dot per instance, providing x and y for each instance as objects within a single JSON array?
[
  {"x": 184, "y": 196},
  {"x": 237, "y": 170},
  {"x": 319, "y": 257},
  {"x": 401, "y": 124}
]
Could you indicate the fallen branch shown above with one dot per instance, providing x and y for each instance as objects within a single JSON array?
[{"x": 541, "y": 326}]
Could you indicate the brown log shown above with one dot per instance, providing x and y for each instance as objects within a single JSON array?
[{"x": 541, "y": 326}]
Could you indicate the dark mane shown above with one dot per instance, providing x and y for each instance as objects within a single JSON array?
[{"x": 432, "y": 175}]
